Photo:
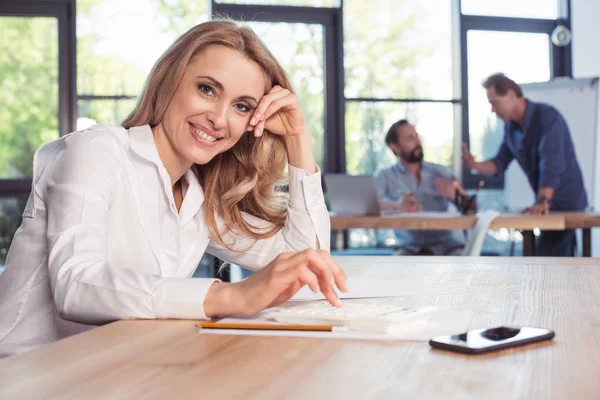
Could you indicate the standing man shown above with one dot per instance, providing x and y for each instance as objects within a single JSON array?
[
  {"x": 537, "y": 136},
  {"x": 413, "y": 185}
]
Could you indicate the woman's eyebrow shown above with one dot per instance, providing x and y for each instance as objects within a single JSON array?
[
  {"x": 248, "y": 98},
  {"x": 215, "y": 82},
  {"x": 219, "y": 86}
]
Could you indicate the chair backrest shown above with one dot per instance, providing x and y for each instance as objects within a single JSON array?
[{"x": 477, "y": 235}]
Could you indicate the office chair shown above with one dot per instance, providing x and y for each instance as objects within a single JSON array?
[{"x": 477, "y": 234}]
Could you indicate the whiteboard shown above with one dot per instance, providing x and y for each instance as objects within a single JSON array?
[{"x": 577, "y": 101}]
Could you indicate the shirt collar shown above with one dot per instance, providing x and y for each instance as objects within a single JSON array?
[
  {"x": 142, "y": 143},
  {"x": 402, "y": 168}
]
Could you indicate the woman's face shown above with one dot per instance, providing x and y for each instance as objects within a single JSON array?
[{"x": 212, "y": 105}]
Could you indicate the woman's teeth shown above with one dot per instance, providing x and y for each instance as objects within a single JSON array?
[{"x": 203, "y": 135}]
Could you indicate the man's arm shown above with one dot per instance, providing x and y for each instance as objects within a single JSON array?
[
  {"x": 542, "y": 203},
  {"x": 406, "y": 203},
  {"x": 489, "y": 167},
  {"x": 552, "y": 164}
]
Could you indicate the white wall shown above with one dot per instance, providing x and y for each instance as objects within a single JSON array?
[{"x": 585, "y": 24}]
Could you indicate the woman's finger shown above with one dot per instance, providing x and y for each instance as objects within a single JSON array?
[
  {"x": 307, "y": 277},
  {"x": 338, "y": 273},
  {"x": 264, "y": 104},
  {"x": 259, "y": 129},
  {"x": 326, "y": 278},
  {"x": 277, "y": 104},
  {"x": 304, "y": 264}
]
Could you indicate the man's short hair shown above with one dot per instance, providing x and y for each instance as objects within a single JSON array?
[
  {"x": 501, "y": 84},
  {"x": 392, "y": 134}
]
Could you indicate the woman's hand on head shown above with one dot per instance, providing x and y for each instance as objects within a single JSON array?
[
  {"x": 278, "y": 282},
  {"x": 279, "y": 112}
]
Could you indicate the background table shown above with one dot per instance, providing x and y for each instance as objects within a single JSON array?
[
  {"x": 526, "y": 223},
  {"x": 170, "y": 359}
]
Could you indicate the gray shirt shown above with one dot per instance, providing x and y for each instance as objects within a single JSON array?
[{"x": 396, "y": 181}]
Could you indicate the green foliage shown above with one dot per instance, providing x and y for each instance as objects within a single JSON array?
[
  {"x": 302, "y": 58},
  {"x": 381, "y": 56},
  {"x": 29, "y": 87}
]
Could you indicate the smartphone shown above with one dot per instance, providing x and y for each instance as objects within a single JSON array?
[{"x": 479, "y": 341}]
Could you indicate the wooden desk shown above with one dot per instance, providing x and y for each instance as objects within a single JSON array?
[
  {"x": 415, "y": 221},
  {"x": 169, "y": 359},
  {"x": 526, "y": 223}
]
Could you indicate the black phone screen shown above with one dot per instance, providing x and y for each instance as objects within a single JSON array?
[{"x": 482, "y": 340}]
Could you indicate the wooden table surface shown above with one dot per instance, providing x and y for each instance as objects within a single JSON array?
[
  {"x": 170, "y": 359},
  {"x": 554, "y": 221}
]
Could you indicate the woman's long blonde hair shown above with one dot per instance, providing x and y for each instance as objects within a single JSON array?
[{"x": 243, "y": 178}]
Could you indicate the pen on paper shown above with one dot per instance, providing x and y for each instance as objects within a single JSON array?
[{"x": 272, "y": 327}]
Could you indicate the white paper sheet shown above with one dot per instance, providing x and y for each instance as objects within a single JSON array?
[
  {"x": 442, "y": 322},
  {"x": 361, "y": 288}
]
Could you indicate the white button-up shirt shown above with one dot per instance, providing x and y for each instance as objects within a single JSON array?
[{"x": 102, "y": 240}]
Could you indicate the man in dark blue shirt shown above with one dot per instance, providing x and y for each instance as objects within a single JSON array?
[{"x": 537, "y": 136}]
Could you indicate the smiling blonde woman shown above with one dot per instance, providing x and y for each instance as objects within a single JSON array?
[{"x": 120, "y": 216}]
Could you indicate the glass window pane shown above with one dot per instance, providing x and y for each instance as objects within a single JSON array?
[
  {"x": 11, "y": 209},
  {"x": 368, "y": 122},
  {"x": 119, "y": 41},
  {"x": 301, "y": 3},
  {"x": 29, "y": 90},
  {"x": 299, "y": 49},
  {"x": 398, "y": 49},
  {"x": 110, "y": 112},
  {"x": 512, "y": 8},
  {"x": 523, "y": 57}
]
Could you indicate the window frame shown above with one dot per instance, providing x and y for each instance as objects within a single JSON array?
[
  {"x": 64, "y": 12},
  {"x": 331, "y": 19},
  {"x": 560, "y": 64}
]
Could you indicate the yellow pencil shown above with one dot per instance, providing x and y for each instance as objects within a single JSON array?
[{"x": 272, "y": 327}]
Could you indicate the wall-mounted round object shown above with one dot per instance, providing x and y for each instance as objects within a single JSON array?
[{"x": 561, "y": 36}]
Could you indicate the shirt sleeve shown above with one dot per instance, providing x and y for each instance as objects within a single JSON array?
[
  {"x": 443, "y": 172},
  {"x": 85, "y": 286},
  {"x": 552, "y": 149},
  {"x": 502, "y": 158},
  {"x": 307, "y": 219},
  {"x": 381, "y": 184}
]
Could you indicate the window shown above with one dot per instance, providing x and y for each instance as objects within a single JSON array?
[
  {"x": 29, "y": 87},
  {"x": 398, "y": 49},
  {"x": 512, "y": 8},
  {"x": 29, "y": 104},
  {"x": 299, "y": 48},
  {"x": 398, "y": 65},
  {"x": 11, "y": 209},
  {"x": 299, "y": 3},
  {"x": 524, "y": 57},
  {"x": 367, "y": 124},
  {"x": 117, "y": 45}
]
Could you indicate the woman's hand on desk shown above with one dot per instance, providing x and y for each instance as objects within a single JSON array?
[{"x": 276, "y": 283}]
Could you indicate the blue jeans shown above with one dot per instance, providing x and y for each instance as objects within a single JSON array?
[{"x": 556, "y": 244}]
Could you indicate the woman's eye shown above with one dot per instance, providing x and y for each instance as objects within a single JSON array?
[
  {"x": 205, "y": 89},
  {"x": 242, "y": 108}
]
